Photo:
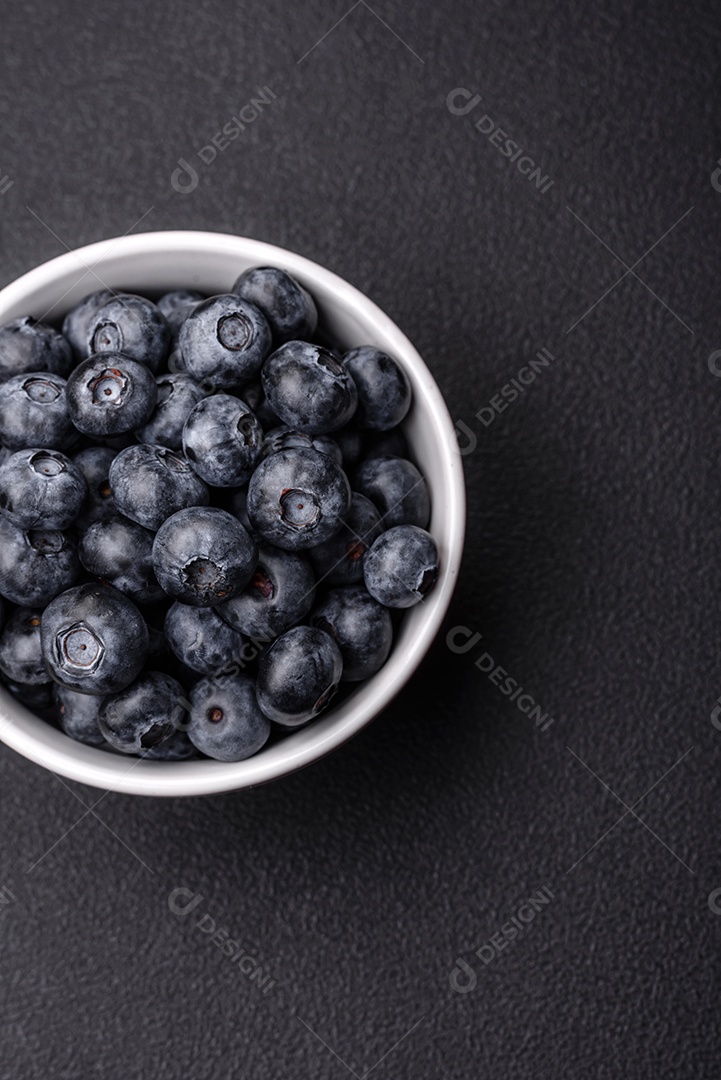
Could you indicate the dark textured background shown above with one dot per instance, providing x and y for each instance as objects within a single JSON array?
[{"x": 590, "y": 571}]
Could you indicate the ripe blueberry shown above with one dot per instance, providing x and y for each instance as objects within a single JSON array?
[
  {"x": 41, "y": 489},
  {"x": 34, "y": 412},
  {"x": 384, "y": 392},
  {"x": 201, "y": 639},
  {"x": 28, "y": 345},
  {"x": 279, "y": 595},
  {"x": 401, "y": 567},
  {"x": 298, "y": 498},
  {"x": 178, "y": 394},
  {"x": 77, "y": 715},
  {"x": 94, "y": 463},
  {"x": 222, "y": 440},
  {"x": 202, "y": 556},
  {"x": 288, "y": 307},
  {"x": 308, "y": 387},
  {"x": 339, "y": 561},
  {"x": 149, "y": 483},
  {"x": 94, "y": 639},
  {"x": 110, "y": 394},
  {"x": 360, "y": 626},
  {"x": 143, "y": 715},
  {"x": 398, "y": 490},
  {"x": 130, "y": 325},
  {"x": 35, "y": 564},
  {"x": 119, "y": 552},
  {"x": 298, "y": 675},
  {"x": 77, "y": 320},
  {"x": 224, "y": 341},
  {"x": 226, "y": 722},
  {"x": 21, "y": 655}
]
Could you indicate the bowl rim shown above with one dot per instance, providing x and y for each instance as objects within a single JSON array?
[{"x": 38, "y": 741}]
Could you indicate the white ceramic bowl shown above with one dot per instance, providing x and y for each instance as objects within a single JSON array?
[{"x": 155, "y": 263}]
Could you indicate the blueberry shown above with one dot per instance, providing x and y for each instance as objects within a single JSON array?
[
  {"x": 178, "y": 394},
  {"x": 109, "y": 394},
  {"x": 34, "y": 412},
  {"x": 384, "y": 392},
  {"x": 279, "y": 594},
  {"x": 203, "y": 556},
  {"x": 77, "y": 715},
  {"x": 238, "y": 505},
  {"x": 254, "y": 394},
  {"x": 224, "y": 342},
  {"x": 78, "y": 319},
  {"x": 397, "y": 489},
  {"x": 35, "y": 565},
  {"x": 38, "y": 697},
  {"x": 180, "y": 300},
  {"x": 222, "y": 440},
  {"x": 308, "y": 387},
  {"x": 298, "y": 675},
  {"x": 175, "y": 363},
  {"x": 28, "y": 345},
  {"x": 94, "y": 639},
  {"x": 144, "y": 714},
  {"x": 41, "y": 489},
  {"x": 130, "y": 325},
  {"x": 119, "y": 552},
  {"x": 339, "y": 561},
  {"x": 94, "y": 463},
  {"x": 21, "y": 655},
  {"x": 298, "y": 498},
  {"x": 175, "y": 747},
  {"x": 226, "y": 722},
  {"x": 149, "y": 483},
  {"x": 201, "y": 639},
  {"x": 401, "y": 567},
  {"x": 288, "y": 307},
  {"x": 285, "y": 438},
  {"x": 361, "y": 628},
  {"x": 391, "y": 443},
  {"x": 350, "y": 444}
]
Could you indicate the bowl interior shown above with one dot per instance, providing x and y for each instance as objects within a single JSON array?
[{"x": 153, "y": 263}]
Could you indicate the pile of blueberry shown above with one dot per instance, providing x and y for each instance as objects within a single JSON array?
[{"x": 208, "y": 517}]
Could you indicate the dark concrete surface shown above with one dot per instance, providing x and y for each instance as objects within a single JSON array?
[{"x": 459, "y": 892}]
